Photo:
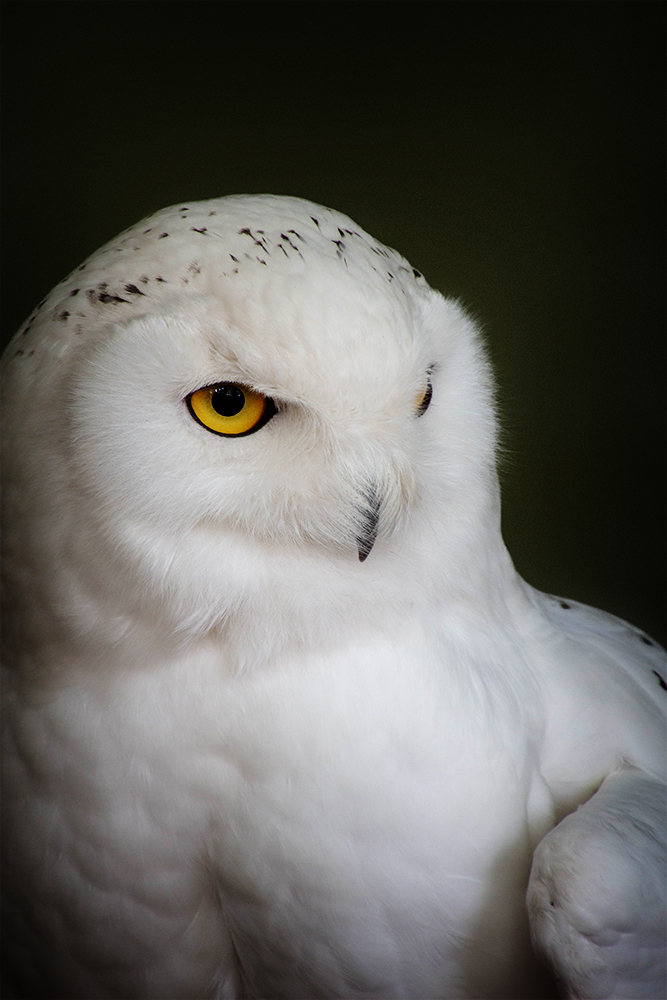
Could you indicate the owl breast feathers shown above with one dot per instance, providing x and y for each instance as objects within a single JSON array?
[{"x": 281, "y": 720}]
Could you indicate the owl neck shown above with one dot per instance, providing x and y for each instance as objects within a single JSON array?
[{"x": 254, "y": 599}]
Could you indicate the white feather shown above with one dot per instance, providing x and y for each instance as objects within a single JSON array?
[{"x": 240, "y": 762}]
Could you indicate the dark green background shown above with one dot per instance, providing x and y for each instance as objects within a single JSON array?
[{"x": 512, "y": 151}]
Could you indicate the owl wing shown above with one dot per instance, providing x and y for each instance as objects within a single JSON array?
[
  {"x": 597, "y": 897},
  {"x": 634, "y": 653}
]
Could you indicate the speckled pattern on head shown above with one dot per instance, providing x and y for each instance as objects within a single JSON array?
[{"x": 191, "y": 246}]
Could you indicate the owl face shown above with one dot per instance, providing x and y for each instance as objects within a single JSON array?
[{"x": 214, "y": 410}]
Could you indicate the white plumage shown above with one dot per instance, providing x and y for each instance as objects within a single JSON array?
[{"x": 281, "y": 720}]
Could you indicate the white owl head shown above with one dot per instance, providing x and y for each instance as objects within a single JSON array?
[{"x": 224, "y": 411}]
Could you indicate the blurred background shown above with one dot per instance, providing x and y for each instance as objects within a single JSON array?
[{"x": 513, "y": 152}]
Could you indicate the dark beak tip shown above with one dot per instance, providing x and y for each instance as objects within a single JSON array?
[{"x": 371, "y": 515}]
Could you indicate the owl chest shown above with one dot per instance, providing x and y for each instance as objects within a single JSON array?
[
  {"x": 369, "y": 845},
  {"x": 305, "y": 835},
  {"x": 100, "y": 886}
]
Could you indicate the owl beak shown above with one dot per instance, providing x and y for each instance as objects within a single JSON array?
[{"x": 369, "y": 527}]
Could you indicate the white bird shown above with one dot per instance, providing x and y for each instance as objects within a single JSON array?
[{"x": 281, "y": 719}]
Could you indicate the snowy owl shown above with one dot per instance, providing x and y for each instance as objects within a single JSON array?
[{"x": 281, "y": 720}]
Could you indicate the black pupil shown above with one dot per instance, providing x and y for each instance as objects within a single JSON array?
[{"x": 228, "y": 400}]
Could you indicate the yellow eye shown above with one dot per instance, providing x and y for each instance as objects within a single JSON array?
[
  {"x": 230, "y": 409},
  {"x": 423, "y": 399}
]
